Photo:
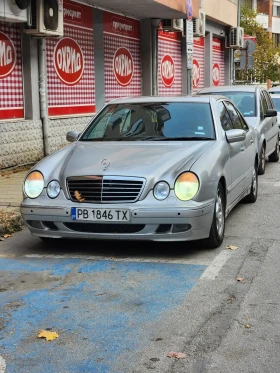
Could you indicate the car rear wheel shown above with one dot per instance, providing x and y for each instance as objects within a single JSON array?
[
  {"x": 261, "y": 169},
  {"x": 274, "y": 157},
  {"x": 217, "y": 230},
  {"x": 252, "y": 197}
]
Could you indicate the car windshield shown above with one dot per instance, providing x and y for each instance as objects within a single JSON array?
[
  {"x": 152, "y": 122},
  {"x": 276, "y": 101},
  {"x": 245, "y": 101}
]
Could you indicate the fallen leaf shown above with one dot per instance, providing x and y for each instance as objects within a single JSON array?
[
  {"x": 247, "y": 326},
  {"x": 78, "y": 196},
  {"x": 232, "y": 247},
  {"x": 177, "y": 355},
  {"x": 50, "y": 336},
  {"x": 240, "y": 279},
  {"x": 7, "y": 235},
  {"x": 98, "y": 294}
]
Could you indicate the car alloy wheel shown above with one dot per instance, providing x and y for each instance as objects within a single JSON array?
[
  {"x": 219, "y": 212},
  {"x": 261, "y": 169},
  {"x": 255, "y": 183}
]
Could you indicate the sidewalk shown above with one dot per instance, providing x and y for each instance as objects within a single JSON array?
[{"x": 11, "y": 188}]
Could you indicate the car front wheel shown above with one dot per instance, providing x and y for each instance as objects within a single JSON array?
[
  {"x": 217, "y": 230},
  {"x": 261, "y": 169},
  {"x": 252, "y": 197}
]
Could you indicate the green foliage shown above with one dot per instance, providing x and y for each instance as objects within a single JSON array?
[{"x": 266, "y": 55}]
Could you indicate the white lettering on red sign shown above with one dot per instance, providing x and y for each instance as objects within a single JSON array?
[
  {"x": 74, "y": 14},
  {"x": 196, "y": 73},
  {"x": 68, "y": 61},
  {"x": 216, "y": 74},
  {"x": 123, "y": 66},
  {"x": 7, "y": 55},
  {"x": 167, "y": 69}
]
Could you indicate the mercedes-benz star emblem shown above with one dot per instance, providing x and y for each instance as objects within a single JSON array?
[{"x": 105, "y": 163}]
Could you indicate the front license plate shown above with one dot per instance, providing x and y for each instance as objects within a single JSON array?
[{"x": 100, "y": 214}]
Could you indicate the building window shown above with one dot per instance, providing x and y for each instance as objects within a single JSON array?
[
  {"x": 276, "y": 40},
  {"x": 276, "y": 11}
]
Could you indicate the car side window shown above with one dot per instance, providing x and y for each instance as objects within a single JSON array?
[
  {"x": 224, "y": 117},
  {"x": 269, "y": 100},
  {"x": 244, "y": 124},
  {"x": 264, "y": 104},
  {"x": 234, "y": 116}
]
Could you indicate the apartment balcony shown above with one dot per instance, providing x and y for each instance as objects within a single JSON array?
[{"x": 221, "y": 11}]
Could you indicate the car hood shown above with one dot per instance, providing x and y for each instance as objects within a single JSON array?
[
  {"x": 252, "y": 121},
  {"x": 132, "y": 158}
]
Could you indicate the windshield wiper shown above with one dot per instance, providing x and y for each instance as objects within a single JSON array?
[{"x": 176, "y": 138}]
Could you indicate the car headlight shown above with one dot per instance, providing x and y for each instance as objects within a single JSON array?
[
  {"x": 34, "y": 184},
  {"x": 53, "y": 189},
  {"x": 186, "y": 186},
  {"x": 161, "y": 190}
]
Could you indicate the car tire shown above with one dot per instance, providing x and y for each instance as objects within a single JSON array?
[
  {"x": 261, "y": 169},
  {"x": 217, "y": 230},
  {"x": 252, "y": 197},
  {"x": 274, "y": 157}
]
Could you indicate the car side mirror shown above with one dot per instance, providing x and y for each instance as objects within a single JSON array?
[
  {"x": 72, "y": 136},
  {"x": 235, "y": 135},
  {"x": 270, "y": 113}
]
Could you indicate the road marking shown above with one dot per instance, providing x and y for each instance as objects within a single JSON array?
[
  {"x": 2, "y": 365},
  {"x": 214, "y": 268},
  {"x": 130, "y": 259}
]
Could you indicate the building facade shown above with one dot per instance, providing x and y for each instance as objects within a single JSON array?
[{"x": 54, "y": 84}]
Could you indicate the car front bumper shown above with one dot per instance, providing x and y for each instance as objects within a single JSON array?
[{"x": 168, "y": 221}]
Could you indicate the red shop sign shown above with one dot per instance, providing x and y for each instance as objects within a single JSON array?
[
  {"x": 123, "y": 66},
  {"x": 167, "y": 69},
  {"x": 7, "y": 55},
  {"x": 216, "y": 74},
  {"x": 68, "y": 61},
  {"x": 196, "y": 73}
]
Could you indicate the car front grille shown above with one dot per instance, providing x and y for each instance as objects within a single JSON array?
[{"x": 104, "y": 189}]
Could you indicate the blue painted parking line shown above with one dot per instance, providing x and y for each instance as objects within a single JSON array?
[{"x": 100, "y": 309}]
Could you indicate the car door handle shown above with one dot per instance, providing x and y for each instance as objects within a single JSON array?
[
  {"x": 242, "y": 148},
  {"x": 252, "y": 141}
]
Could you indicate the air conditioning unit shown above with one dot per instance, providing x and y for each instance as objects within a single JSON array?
[
  {"x": 236, "y": 38},
  {"x": 172, "y": 25},
  {"x": 46, "y": 18},
  {"x": 199, "y": 25},
  {"x": 14, "y": 10}
]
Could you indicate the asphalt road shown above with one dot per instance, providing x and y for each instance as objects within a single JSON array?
[{"x": 122, "y": 307}]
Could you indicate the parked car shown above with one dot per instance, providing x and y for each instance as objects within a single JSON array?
[
  {"x": 148, "y": 168},
  {"x": 256, "y": 106},
  {"x": 276, "y": 100},
  {"x": 274, "y": 90}
]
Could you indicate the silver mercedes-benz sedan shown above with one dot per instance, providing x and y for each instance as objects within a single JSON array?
[{"x": 148, "y": 168}]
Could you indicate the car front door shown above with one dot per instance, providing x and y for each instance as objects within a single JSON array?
[
  {"x": 235, "y": 154},
  {"x": 240, "y": 164},
  {"x": 265, "y": 124},
  {"x": 272, "y": 125}
]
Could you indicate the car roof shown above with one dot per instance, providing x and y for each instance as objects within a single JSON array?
[
  {"x": 230, "y": 88},
  {"x": 160, "y": 99},
  {"x": 274, "y": 89}
]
